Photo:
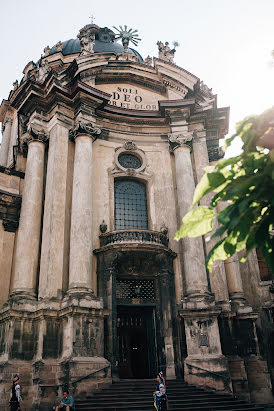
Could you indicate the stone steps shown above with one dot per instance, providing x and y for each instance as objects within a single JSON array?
[{"x": 136, "y": 395}]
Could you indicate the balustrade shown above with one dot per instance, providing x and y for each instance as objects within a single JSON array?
[{"x": 133, "y": 236}]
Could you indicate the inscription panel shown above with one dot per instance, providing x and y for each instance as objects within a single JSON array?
[{"x": 131, "y": 97}]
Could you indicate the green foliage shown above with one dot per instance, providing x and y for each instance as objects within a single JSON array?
[
  {"x": 196, "y": 223},
  {"x": 244, "y": 188}
]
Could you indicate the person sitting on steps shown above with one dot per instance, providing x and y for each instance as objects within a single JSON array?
[{"x": 66, "y": 403}]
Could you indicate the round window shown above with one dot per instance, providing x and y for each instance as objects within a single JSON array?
[{"x": 129, "y": 161}]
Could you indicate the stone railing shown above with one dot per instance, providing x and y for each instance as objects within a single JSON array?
[{"x": 134, "y": 236}]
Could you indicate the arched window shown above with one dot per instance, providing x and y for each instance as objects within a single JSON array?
[{"x": 130, "y": 204}]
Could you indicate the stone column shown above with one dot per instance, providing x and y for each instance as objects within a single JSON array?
[
  {"x": 27, "y": 246},
  {"x": 80, "y": 265},
  {"x": 234, "y": 281},
  {"x": 52, "y": 274},
  {"x": 217, "y": 275},
  {"x": 193, "y": 251},
  {"x": 6, "y": 133}
]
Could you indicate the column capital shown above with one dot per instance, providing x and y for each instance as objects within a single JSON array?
[
  {"x": 181, "y": 139},
  {"x": 83, "y": 128},
  {"x": 35, "y": 134}
]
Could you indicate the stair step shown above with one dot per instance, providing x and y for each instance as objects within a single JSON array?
[{"x": 136, "y": 395}]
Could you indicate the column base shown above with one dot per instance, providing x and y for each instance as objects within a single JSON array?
[
  {"x": 225, "y": 306},
  {"x": 80, "y": 290},
  {"x": 198, "y": 300},
  {"x": 239, "y": 303},
  {"x": 23, "y": 294}
]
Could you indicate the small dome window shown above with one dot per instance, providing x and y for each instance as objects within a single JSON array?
[{"x": 127, "y": 160}]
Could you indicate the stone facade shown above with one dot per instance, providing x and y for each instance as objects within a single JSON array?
[{"x": 83, "y": 302}]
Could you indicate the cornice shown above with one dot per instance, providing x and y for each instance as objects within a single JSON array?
[{"x": 33, "y": 95}]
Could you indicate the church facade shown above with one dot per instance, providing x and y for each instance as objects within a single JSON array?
[{"x": 100, "y": 155}]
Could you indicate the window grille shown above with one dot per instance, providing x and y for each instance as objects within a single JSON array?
[
  {"x": 129, "y": 161},
  {"x": 128, "y": 289},
  {"x": 130, "y": 205}
]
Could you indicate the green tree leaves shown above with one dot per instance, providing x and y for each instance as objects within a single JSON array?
[
  {"x": 197, "y": 222},
  {"x": 245, "y": 184}
]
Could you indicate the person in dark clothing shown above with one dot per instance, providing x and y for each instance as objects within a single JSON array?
[{"x": 15, "y": 396}]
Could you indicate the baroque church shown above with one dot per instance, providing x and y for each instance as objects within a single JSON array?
[{"x": 100, "y": 155}]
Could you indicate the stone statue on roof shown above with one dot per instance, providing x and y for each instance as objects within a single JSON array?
[{"x": 165, "y": 52}]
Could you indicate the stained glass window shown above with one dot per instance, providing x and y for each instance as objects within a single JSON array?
[
  {"x": 129, "y": 161},
  {"x": 130, "y": 205}
]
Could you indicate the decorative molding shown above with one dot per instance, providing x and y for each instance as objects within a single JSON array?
[{"x": 84, "y": 128}]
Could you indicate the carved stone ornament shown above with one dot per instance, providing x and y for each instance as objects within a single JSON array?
[
  {"x": 35, "y": 133},
  {"x": 15, "y": 85},
  {"x": 129, "y": 145},
  {"x": 180, "y": 139},
  {"x": 103, "y": 227},
  {"x": 164, "y": 229},
  {"x": 59, "y": 46},
  {"x": 148, "y": 61},
  {"x": 42, "y": 70},
  {"x": 165, "y": 52},
  {"x": 205, "y": 89},
  {"x": 87, "y": 39},
  {"x": 131, "y": 172},
  {"x": 85, "y": 128},
  {"x": 46, "y": 51}
]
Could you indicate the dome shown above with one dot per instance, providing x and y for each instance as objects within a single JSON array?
[{"x": 103, "y": 43}]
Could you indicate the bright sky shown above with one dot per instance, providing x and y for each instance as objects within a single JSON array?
[{"x": 227, "y": 44}]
